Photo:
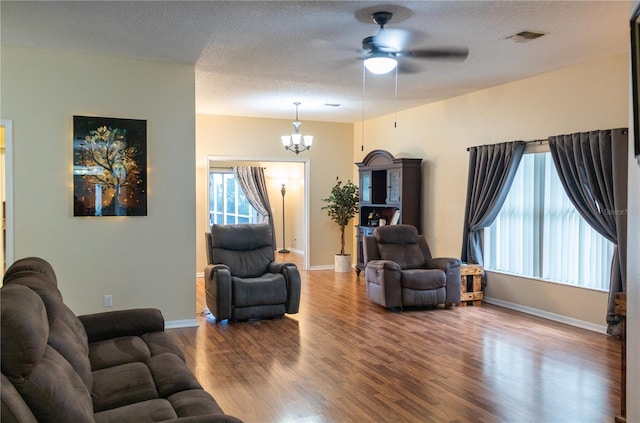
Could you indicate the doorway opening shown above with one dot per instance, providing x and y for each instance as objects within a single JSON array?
[
  {"x": 289, "y": 206},
  {"x": 6, "y": 193}
]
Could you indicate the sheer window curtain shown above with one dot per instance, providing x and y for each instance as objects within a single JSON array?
[
  {"x": 592, "y": 167},
  {"x": 253, "y": 184},
  {"x": 491, "y": 172}
]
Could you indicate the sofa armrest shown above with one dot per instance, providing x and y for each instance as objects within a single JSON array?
[
  {"x": 210, "y": 269},
  {"x": 443, "y": 263},
  {"x": 386, "y": 274},
  {"x": 294, "y": 287},
  {"x": 451, "y": 267},
  {"x": 278, "y": 266},
  {"x": 114, "y": 324},
  {"x": 292, "y": 277},
  {"x": 218, "y": 293}
]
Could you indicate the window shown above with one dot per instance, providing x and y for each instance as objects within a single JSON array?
[
  {"x": 539, "y": 233},
  {"x": 227, "y": 203}
]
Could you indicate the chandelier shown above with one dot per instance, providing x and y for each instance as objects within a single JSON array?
[{"x": 297, "y": 142}]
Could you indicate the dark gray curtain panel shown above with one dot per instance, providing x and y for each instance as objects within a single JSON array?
[
  {"x": 491, "y": 172},
  {"x": 254, "y": 186},
  {"x": 593, "y": 168}
]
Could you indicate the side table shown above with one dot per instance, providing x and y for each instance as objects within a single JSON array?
[{"x": 471, "y": 290}]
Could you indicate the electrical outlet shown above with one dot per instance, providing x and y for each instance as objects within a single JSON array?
[{"x": 108, "y": 300}]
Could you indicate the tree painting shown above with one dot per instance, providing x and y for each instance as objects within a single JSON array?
[{"x": 109, "y": 166}]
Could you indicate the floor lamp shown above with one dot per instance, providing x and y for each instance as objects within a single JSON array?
[{"x": 283, "y": 190}]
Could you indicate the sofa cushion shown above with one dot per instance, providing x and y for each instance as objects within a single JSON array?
[
  {"x": 422, "y": 297},
  {"x": 154, "y": 410},
  {"x": 13, "y": 409},
  {"x": 71, "y": 342},
  {"x": 24, "y": 330},
  {"x": 270, "y": 288},
  {"x": 399, "y": 243},
  {"x": 118, "y": 351},
  {"x": 408, "y": 256},
  {"x": 160, "y": 342},
  {"x": 194, "y": 403},
  {"x": 47, "y": 383},
  {"x": 423, "y": 279},
  {"x": 247, "y": 249},
  {"x": 171, "y": 374},
  {"x": 48, "y": 292},
  {"x": 122, "y": 385},
  {"x": 30, "y": 266},
  {"x": 54, "y": 392},
  {"x": 66, "y": 333},
  {"x": 396, "y": 234}
]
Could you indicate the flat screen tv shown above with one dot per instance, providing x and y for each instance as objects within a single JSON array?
[{"x": 635, "y": 69}]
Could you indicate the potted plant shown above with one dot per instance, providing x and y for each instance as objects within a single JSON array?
[{"x": 342, "y": 206}]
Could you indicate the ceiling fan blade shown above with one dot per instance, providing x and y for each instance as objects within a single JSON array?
[
  {"x": 391, "y": 40},
  {"x": 459, "y": 53},
  {"x": 409, "y": 67}
]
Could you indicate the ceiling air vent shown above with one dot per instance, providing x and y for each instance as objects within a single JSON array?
[{"x": 524, "y": 36}]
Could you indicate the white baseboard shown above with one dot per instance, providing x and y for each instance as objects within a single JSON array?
[
  {"x": 295, "y": 250},
  {"x": 176, "y": 324},
  {"x": 200, "y": 275},
  {"x": 323, "y": 267},
  {"x": 548, "y": 315}
]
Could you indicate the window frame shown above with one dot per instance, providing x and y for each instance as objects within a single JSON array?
[
  {"x": 228, "y": 218},
  {"x": 538, "y": 269}
]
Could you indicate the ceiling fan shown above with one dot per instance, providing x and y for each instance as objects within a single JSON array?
[{"x": 382, "y": 50}]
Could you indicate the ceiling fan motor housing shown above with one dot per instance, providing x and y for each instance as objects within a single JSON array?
[{"x": 381, "y": 18}]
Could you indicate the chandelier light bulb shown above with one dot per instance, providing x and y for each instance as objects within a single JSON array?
[{"x": 307, "y": 140}]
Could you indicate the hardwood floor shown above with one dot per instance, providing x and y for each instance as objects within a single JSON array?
[{"x": 343, "y": 358}]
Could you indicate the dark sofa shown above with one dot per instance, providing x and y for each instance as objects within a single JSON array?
[{"x": 108, "y": 367}]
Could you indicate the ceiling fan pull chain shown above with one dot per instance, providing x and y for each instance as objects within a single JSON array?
[
  {"x": 395, "y": 114},
  {"x": 364, "y": 74}
]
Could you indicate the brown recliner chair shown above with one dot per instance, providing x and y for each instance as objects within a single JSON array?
[
  {"x": 400, "y": 271},
  {"x": 242, "y": 280}
]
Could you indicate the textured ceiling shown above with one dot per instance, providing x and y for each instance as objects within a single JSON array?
[{"x": 257, "y": 58}]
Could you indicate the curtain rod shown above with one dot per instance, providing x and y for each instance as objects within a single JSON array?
[
  {"x": 625, "y": 131},
  {"x": 526, "y": 142}
]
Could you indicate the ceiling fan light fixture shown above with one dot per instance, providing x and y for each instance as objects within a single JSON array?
[{"x": 380, "y": 64}]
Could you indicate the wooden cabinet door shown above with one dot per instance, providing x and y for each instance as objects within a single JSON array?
[
  {"x": 394, "y": 180},
  {"x": 365, "y": 187}
]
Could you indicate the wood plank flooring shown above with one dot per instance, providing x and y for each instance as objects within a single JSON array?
[{"x": 343, "y": 358}]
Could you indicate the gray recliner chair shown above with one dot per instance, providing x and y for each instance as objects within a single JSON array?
[
  {"x": 242, "y": 280},
  {"x": 400, "y": 271}
]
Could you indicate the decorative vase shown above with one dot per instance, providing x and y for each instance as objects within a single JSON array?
[{"x": 342, "y": 263}]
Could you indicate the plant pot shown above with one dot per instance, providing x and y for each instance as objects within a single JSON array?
[{"x": 342, "y": 263}]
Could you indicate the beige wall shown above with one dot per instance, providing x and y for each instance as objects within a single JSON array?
[
  {"x": 246, "y": 138},
  {"x": 581, "y": 98},
  {"x": 141, "y": 261}
]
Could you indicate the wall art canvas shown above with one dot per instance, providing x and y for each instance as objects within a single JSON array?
[{"x": 109, "y": 166}]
